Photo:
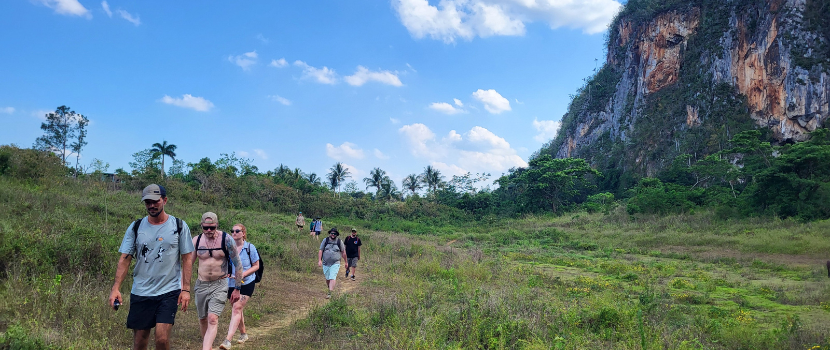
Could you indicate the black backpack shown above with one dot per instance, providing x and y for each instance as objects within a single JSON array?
[
  {"x": 224, "y": 250},
  {"x": 137, "y": 223},
  {"x": 261, "y": 268}
]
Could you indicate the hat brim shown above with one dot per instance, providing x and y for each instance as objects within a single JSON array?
[{"x": 152, "y": 197}]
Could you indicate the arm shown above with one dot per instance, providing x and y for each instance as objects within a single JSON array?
[
  {"x": 120, "y": 274},
  {"x": 343, "y": 252},
  {"x": 237, "y": 264},
  {"x": 358, "y": 252},
  {"x": 187, "y": 273},
  {"x": 320, "y": 258},
  {"x": 250, "y": 271}
]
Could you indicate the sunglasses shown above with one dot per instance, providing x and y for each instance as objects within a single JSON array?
[
  {"x": 208, "y": 228},
  {"x": 236, "y": 231}
]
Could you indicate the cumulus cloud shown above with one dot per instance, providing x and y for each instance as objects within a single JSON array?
[
  {"x": 344, "y": 151},
  {"x": 279, "y": 63},
  {"x": 478, "y": 150},
  {"x": 280, "y": 99},
  {"x": 355, "y": 173},
  {"x": 445, "y": 108},
  {"x": 321, "y": 75},
  {"x": 492, "y": 100},
  {"x": 67, "y": 7},
  {"x": 466, "y": 19},
  {"x": 106, "y": 8},
  {"x": 187, "y": 101},
  {"x": 7, "y": 110},
  {"x": 130, "y": 18},
  {"x": 245, "y": 60},
  {"x": 363, "y": 75},
  {"x": 380, "y": 154},
  {"x": 458, "y": 102},
  {"x": 260, "y": 153},
  {"x": 547, "y": 129}
]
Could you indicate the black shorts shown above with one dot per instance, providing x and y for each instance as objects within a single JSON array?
[
  {"x": 146, "y": 312},
  {"x": 247, "y": 289}
]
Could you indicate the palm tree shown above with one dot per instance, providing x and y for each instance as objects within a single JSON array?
[
  {"x": 337, "y": 174},
  {"x": 432, "y": 178},
  {"x": 388, "y": 189},
  {"x": 375, "y": 179},
  {"x": 313, "y": 179},
  {"x": 412, "y": 183},
  {"x": 163, "y": 149}
]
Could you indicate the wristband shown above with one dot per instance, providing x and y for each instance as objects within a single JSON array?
[
  {"x": 185, "y": 290},
  {"x": 237, "y": 287}
]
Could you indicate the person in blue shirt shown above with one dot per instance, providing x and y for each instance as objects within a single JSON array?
[{"x": 250, "y": 264}]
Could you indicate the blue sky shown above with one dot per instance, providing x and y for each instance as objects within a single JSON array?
[{"x": 463, "y": 85}]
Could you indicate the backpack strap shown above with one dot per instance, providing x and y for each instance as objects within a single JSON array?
[
  {"x": 227, "y": 256},
  {"x": 179, "y": 226},
  {"x": 198, "y": 239}
]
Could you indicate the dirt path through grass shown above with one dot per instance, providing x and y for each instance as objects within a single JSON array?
[{"x": 298, "y": 299}]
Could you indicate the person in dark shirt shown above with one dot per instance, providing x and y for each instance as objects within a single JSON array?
[{"x": 352, "y": 252}]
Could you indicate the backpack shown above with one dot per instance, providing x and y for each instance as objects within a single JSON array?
[
  {"x": 224, "y": 250},
  {"x": 137, "y": 223},
  {"x": 336, "y": 245},
  {"x": 261, "y": 268}
]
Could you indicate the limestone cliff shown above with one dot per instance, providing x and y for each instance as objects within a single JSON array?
[{"x": 684, "y": 76}]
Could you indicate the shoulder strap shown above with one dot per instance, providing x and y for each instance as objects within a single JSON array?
[
  {"x": 198, "y": 239},
  {"x": 225, "y": 250},
  {"x": 248, "y": 249},
  {"x": 179, "y": 225},
  {"x": 135, "y": 228}
]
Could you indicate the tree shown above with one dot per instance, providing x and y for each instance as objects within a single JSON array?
[
  {"x": 337, "y": 174},
  {"x": 144, "y": 162},
  {"x": 432, "y": 178},
  {"x": 375, "y": 179},
  {"x": 163, "y": 149},
  {"x": 313, "y": 179},
  {"x": 412, "y": 183},
  {"x": 387, "y": 189},
  {"x": 551, "y": 183},
  {"x": 80, "y": 141},
  {"x": 60, "y": 128}
]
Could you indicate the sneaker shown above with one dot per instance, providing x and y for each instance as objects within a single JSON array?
[
  {"x": 352, "y": 277},
  {"x": 328, "y": 295},
  {"x": 225, "y": 345},
  {"x": 242, "y": 338},
  {"x": 347, "y": 272}
]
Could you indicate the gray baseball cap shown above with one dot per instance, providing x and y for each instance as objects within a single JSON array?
[
  {"x": 153, "y": 192},
  {"x": 210, "y": 218}
]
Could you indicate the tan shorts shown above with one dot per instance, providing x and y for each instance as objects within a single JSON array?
[{"x": 210, "y": 297}]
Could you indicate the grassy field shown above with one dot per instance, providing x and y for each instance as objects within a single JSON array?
[{"x": 579, "y": 281}]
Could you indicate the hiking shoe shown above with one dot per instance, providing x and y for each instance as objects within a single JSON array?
[
  {"x": 352, "y": 277},
  {"x": 242, "y": 338},
  {"x": 225, "y": 345},
  {"x": 328, "y": 296}
]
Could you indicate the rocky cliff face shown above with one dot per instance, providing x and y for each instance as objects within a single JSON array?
[{"x": 688, "y": 78}]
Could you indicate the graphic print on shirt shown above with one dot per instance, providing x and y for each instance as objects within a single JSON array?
[
  {"x": 158, "y": 256},
  {"x": 144, "y": 251}
]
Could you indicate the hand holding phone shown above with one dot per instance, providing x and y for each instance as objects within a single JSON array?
[{"x": 116, "y": 304}]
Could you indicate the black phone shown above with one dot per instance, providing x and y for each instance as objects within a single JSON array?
[{"x": 116, "y": 304}]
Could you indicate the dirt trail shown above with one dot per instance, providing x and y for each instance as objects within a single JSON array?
[{"x": 299, "y": 298}]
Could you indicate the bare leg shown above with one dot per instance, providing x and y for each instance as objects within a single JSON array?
[
  {"x": 163, "y": 336},
  {"x": 242, "y": 329},
  {"x": 210, "y": 333},
  {"x": 140, "y": 339},
  {"x": 236, "y": 316},
  {"x": 331, "y": 284},
  {"x": 203, "y": 326},
  {"x": 353, "y": 268}
]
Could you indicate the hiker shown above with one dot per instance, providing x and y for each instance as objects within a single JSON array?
[
  {"x": 216, "y": 252},
  {"x": 316, "y": 228},
  {"x": 352, "y": 252},
  {"x": 250, "y": 264},
  {"x": 161, "y": 277},
  {"x": 331, "y": 251},
  {"x": 300, "y": 222}
]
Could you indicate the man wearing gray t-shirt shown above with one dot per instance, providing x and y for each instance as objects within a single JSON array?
[{"x": 163, "y": 252}]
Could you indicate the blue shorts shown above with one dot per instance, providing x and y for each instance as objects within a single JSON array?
[{"x": 331, "y": 271}]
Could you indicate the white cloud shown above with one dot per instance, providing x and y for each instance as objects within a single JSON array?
[
  {"x": 394, "y": 120},
  {"x": 67, "y": 7},
  {"x": 445, "y": 108},
  {"x": 262, "y": 38},
  {"x": 480, "y": 150},
  {"x": 448, "y": 170},
  {"x": 363, "y": 75},
  {"x": 321, "y": 75},
  {"x": 106, "y": 8},
  {"x": 466, "y": 19},
  {"x": 261, "y": 154},
  {"x": 7, "y": 110},
  {"x": 380, "y": 154},
  {"x": 280, "y": 99},
  {"x": 126, "y": 15},
  {"x": 245, "y": 60},
  {"x": 187, "y": 101},
  {"x": 410, "y": 67},
  {"x": 493, "y": 101},
  {"x": 243, "y": 154},
  {"x": 547, "y": 129},
  {"x": 279, "y": 63},
  {"x": 346, "y": 150},
  {"x": 41, "y": 113},
  {"x": 458, "y": 102},
  {"x": 355, "y": 173}
]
